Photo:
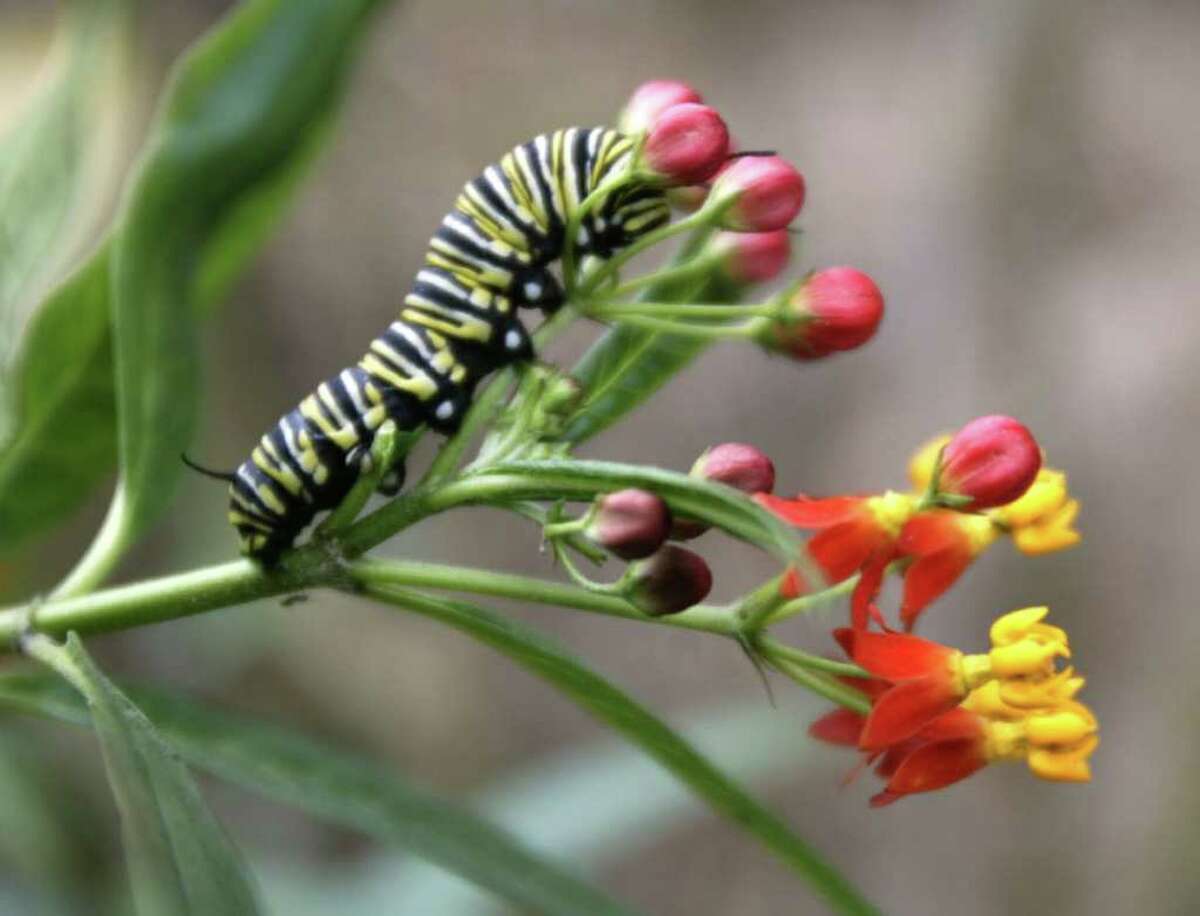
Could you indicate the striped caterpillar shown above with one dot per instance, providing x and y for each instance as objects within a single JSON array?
[{"x": 490, "y": 257}]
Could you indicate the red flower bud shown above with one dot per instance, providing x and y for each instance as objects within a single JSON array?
[
  {"x": 992, "y": 459},
  {"x": 734, "y": 464},
  {"x": 670, "y": 581},
  {"x": 838, "y": 308},
  {"x": 686, "y": 144},
  {"x": 630, "y": 523},
  {"x": 766, "y": 192},
  {"x": 650, "y": 100},
  {"x": 753, "y": 257}
]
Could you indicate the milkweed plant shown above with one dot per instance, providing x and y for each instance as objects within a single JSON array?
[{"x": 558, "y": 225}]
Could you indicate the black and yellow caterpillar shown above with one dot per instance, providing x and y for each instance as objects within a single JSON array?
[{"x": 490, "y": 257}]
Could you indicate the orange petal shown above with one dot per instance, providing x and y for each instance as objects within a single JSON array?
[
  {"x": 931, "y": 531},
  {"x": 804, "y": 512},
  {"x": 841, "y": 727},
  {"x": 870, "y": 580},
  {"x": 792, "y": 585},
  {"x": 928, "y": 579},
  {"x": 896, "y": 656},
  {"x": 935, "y": 766},
  {"x": 906, "y": 709},
  {"x": 842, "y": 549}
]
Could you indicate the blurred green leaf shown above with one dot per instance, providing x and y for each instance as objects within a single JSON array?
[
  {"x": 244, "y": 115},
  {"x": 340, "y": 788},
  {"x": 627, "y": 365},
  {"x": 611, "y": 705},
  {"x": 565, "y": 804},
  {"x": 55, "y": 159},
  {"x": 180, "y": 860}
]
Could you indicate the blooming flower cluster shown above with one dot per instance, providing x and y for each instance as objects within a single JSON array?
[
  {"x": 938, "y": 715},
  {"x": 969, "y": 489},
  {"x": 923, "y": 714}
]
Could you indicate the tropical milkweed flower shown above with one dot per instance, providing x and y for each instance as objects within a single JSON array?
[
  {"x": 942, "y": 543},
  {"x": 939, "y": 715},
  {"x": 855, "y": 533}
]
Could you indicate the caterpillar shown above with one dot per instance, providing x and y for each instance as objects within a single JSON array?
[{"x": 490, "y": 256}]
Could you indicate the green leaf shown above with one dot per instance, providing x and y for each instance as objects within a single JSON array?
[
  {"x": 611, "y": 705},
  {"x": 563, "y": 803},
  {"x": 180, "y": 860},
  {"x": 340, "y": 788},
  {"x": 242, "y": 119},
  {"x": 56, "y": 160},
  {"x": 65, "y": 443}
]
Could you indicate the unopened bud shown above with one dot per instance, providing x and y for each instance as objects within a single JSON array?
[
  {"x": 759, "y": 193},
  {"x": 689, "y": 198},
  {"x": 838, "y": 308},
  {"x": 671, "y": 581},
  {"x": 650, "y": 100},
  {"x": 562, "y": 394},
  {"x": 686, "y": 144},
  {"x": 753, "y": 257},
  {"x": 631, "y": 524},
  {"x": 992, "y": 460},
  {"x": 735, "y": 464}
]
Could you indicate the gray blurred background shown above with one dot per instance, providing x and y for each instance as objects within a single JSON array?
[{"x": 1021, "y": 180}]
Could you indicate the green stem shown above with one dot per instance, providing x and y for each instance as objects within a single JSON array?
[
  {"x": 822, "y": 685},
  {"x": 487, "y": 403},
  {"x": 699, "y": 310},
  {"x": 166, "y": 598},
  {"x": 370, "y": 573},
  {"x": 773, "y": 647},
  {"x": 589, "y": 203},
  {"x": 614, "y": 264},
  {"x": 693, "y": 268},
  {"x": 748, "y": 329},
  {"x": 806, "y": 604}
]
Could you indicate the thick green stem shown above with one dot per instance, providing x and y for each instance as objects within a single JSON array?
[
  {"x": 166, "y": 598},
  {"x": 750, "y": 329},
  {"x": 525, "y": 588}
]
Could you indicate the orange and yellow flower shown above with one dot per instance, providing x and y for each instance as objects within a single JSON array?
[{"x": 938, "y": 715}]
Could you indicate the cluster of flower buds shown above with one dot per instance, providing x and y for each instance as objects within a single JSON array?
[
  {"x": 745, "y": 201},
  {"x": 938, "y": 714},
  {"x": 983, "y": 482},
  {"x": 635, "y": 525}
]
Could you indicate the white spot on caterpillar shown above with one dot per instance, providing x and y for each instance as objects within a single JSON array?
[
  {"x": 512, "y": 340},
  {"x": 533, "y": 290},
  {"x": 445, "y": 410}
]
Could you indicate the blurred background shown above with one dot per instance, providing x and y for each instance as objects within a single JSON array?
[{"x": 1021, "y": 180}]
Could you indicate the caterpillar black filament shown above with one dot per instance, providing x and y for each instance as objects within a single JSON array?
[{"x": 490, "y": 257}]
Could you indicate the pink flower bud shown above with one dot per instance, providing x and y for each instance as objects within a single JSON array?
[
  {"x": 738, "y": 465},
  {"x": 686, "y": 144},
  {"x": 753, "y": 257},
  {"x": 671, "y": 581},
  {"x": 766, "y": 192},
  {"x": 650, "y": 100},
  {"x": 992, "y": 459},
  {"x": 838, "y": 308},
  {"x": 630, "y": 523},
  {"x": 734, "y": 464}
]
